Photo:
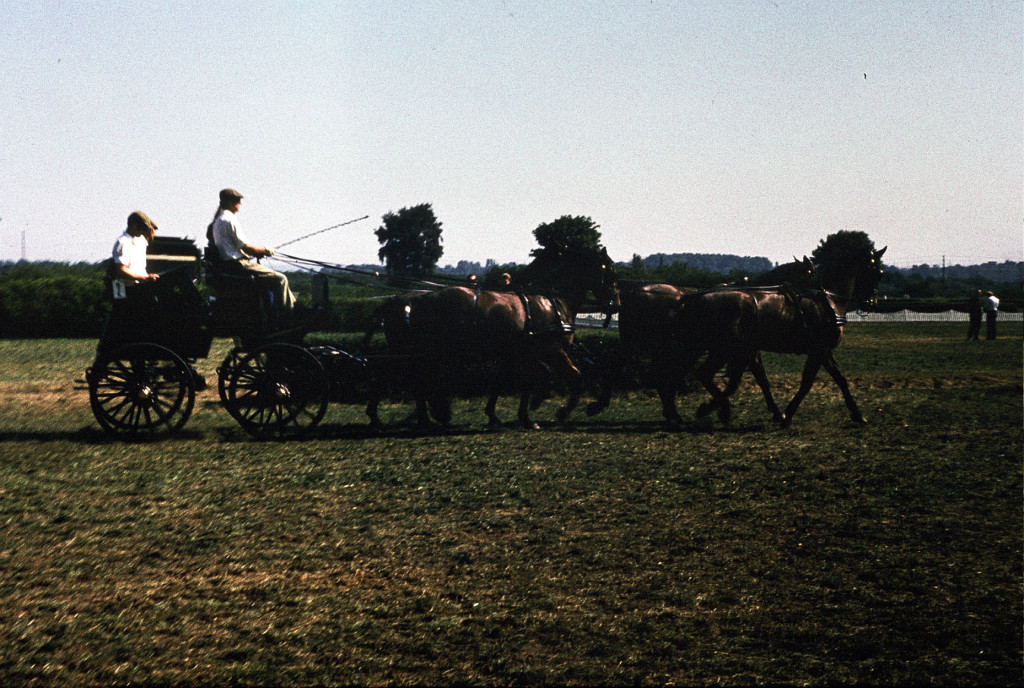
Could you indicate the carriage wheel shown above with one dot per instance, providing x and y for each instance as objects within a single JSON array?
[
  {"x": 279, "y": 390},
  {"x": 141, "y": 389},
  {"x": 224, "y": 372}
]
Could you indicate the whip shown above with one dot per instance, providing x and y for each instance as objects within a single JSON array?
[{"x": 321, "y": 231}]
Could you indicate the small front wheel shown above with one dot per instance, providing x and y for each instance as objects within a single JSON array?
[
  {"x": 279, "y": 390},
  {"x": 141, "y": 389}
]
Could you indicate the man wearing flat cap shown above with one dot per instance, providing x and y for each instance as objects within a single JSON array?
[
  {"x": 129, "y": 252},
  {"x": 235, "y": 253}
]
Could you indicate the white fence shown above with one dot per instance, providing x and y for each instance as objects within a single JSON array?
[
  {"x": 597, "y": 320},
  {"x": 911, "y": 316}
]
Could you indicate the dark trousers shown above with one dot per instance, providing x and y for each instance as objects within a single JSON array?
[
  {"x": 975, "y": 326},
  {"x": 990, "y": 322}
]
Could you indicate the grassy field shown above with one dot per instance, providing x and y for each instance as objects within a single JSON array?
[{"x": 610, "y": 553}]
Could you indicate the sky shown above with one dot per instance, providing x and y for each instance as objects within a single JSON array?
[{"x": 747, "y": 127}]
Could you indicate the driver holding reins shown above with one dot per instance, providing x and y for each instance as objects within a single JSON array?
[{"x": 235, "y": 253}]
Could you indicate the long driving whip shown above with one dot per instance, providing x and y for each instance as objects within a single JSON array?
[{"x": 320, "y": 231}]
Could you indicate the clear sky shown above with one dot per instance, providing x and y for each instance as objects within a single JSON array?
[{"x": 752, "y": 127}]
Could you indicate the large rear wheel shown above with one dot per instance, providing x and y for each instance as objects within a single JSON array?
[
  {"x": 279, "y": 390},
  {"x": 141, "y": 389}
]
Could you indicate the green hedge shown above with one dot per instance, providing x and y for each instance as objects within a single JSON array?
[
  {"x": 63, "y": 306},
  {"x": 69, "y": 305}
]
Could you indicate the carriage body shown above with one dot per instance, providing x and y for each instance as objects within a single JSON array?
[{"x": 143, "y": 380}]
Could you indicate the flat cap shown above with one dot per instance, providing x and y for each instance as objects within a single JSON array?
[
  {"x": 230, "y": 195},
  {"x": 141, "y": 218}
]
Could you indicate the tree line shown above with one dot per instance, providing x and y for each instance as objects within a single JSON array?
[{"x": 53, "y": 299}]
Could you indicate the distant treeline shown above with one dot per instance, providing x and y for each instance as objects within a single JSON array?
[{"x": 998, "y": 273}]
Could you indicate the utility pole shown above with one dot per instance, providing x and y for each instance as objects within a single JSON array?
[{"x": 23, "y": 254}]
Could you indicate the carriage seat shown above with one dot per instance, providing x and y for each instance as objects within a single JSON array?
[
  {"x": 231, "y": 285},
  {"x": 237, "y": 302}
]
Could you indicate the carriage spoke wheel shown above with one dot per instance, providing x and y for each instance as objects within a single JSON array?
[
  {"x": 279, "y": 390},
  {"x": 224, "y": 372},
  {"x": 140, "y": 390}
]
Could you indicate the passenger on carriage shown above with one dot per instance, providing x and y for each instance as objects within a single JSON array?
[
  {"x": 129, "y": 254},
  {"x": 233, "y": 253}
]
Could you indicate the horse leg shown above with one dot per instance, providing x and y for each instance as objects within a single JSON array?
[
  {"x": 441, "y": 409},
  {"x": 492, "y": 402},
  {"x": 572, "y": 379},
  {"x": 669, "y": 379},
  {"x": 833, "y": 369},
  {"x": 613, "y": 376},
  {"x": 811, "y": 368},
  {"x": 494, "y": 390},
  {"x": 524, "y": 412},
  {"x": 421, "y": 386},
  {"x": 371, "y": 410},
  {"x": 757, "y": 369},
  {"x": 719, "y": 399},
  {"x": 534, "y": 374}
]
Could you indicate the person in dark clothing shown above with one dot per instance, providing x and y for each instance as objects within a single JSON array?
[{"x": 974, "y": 313}]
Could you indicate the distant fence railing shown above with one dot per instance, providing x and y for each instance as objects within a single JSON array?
[
  {"x": 597, "y": 320},
  {"x": 912, "y": 316}
]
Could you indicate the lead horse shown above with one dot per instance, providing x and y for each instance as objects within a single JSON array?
[
  {"x": 523, "y": 336},
  {"x": 733, "y": 326},
  {"x": 648, "y": 338}
]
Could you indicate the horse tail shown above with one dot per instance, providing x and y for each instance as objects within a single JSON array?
[
  {"x": 392, "y": 317},
  {"x": 376, "y": 325}
]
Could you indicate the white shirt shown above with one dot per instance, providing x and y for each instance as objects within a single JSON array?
[
  {"x": 130, "y": 251},
  {"x": 228, "y": 236},
  {"x": 991, "y": 304}
]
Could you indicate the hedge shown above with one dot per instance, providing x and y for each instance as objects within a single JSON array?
[
  {"x": 65, "y": 306},
  {"x": 76, "y": 307}
]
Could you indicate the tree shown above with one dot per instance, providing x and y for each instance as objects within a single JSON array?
[
  {"x": 410, "y": 241},
  {"x": 568, "y": 232},
  {"x": 841, "y": 246}
]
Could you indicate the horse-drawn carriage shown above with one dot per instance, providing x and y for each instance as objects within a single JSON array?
[{"x": 144, "y": 381}]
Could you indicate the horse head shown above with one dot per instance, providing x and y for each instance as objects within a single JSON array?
[
  {"x": 575, "y": 272},
  {"x": 869, "y": 276},
  {"x": 856, "y": 277}
]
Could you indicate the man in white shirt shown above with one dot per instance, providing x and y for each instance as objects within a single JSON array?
[
  {"x": 235, "y": 251},
  {"x": 991, "y": 311},
  {"x": 129, "y": 252}
]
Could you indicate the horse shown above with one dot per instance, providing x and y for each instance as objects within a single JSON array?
[
  {"x": 525, "y": 334},
  {"x": 647, "y": 335},
  {"x": 733, "y": 326}
]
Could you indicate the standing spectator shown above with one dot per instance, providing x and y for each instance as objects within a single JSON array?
[
  {"x": 974, "y": 313},
  {"x": 991, "y": 311}
]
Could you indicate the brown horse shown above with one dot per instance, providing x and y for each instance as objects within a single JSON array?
[
  {"x": 647, "y": 336},
  {"x": 733, "y": 326},
  {"x": 521, "y": 337}
]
